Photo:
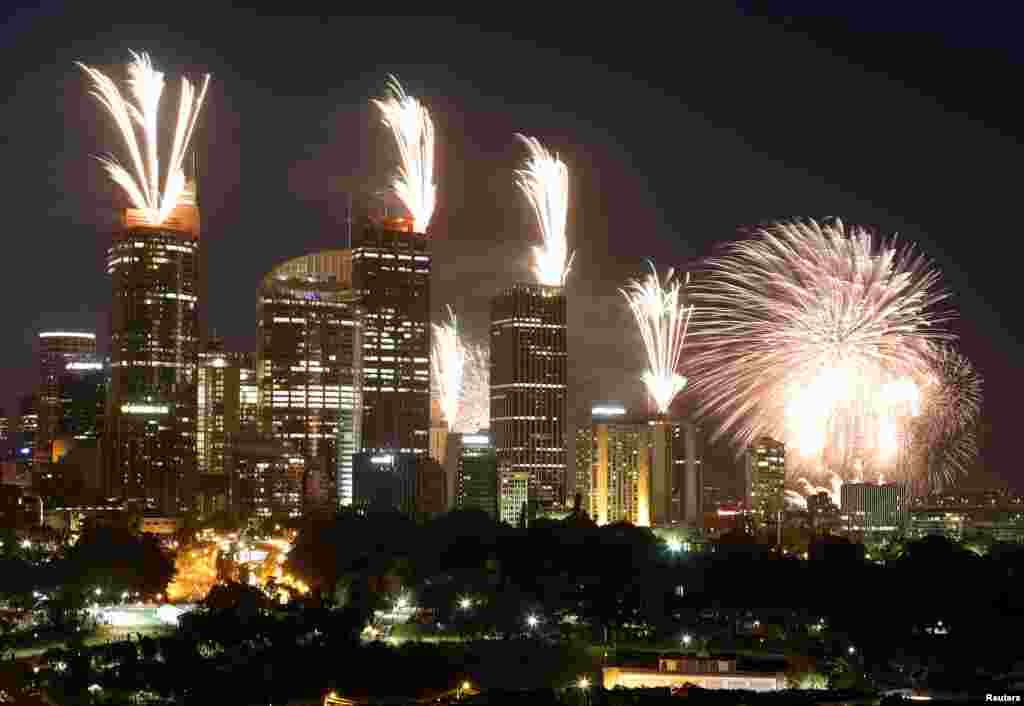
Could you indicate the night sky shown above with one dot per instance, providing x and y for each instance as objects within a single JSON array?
[{"x": 676, "y": 133}]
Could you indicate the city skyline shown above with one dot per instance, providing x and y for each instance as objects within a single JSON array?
[{"x": 458, "y": 245}]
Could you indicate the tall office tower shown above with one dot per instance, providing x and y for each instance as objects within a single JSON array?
[
  {"x": 765, "y": 477},
  {"x": 529, "y": 389},
  {"x": 5, "y": 434},
  {"x": 616, "y": 490},
  {"x": 308, "y": 368},
  {"x": 217, "y": 421},
  {"x": 154, "y": 350},
  {"x": 391, "y": 271},
  {"x": 56, "y": 350},
  {"x": 248, "y": 392},
  {"x": 477, "y": 484},
  {"x": 670, "y": 472},
  {"x": 584, "y": 442},
  {"x": 438, "y": 433}
]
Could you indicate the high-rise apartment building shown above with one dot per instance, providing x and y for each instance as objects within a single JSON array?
[
  {"x": 765, "y": 479},
  {"x": 477, "y": 477},
  {"x": 57, "y": 349},
  {"x": 529, "y": 388},
  {"x": 391, "y": 271},
  {"x": 154, "y": 350},
  {"x": 308, "y": 368}
]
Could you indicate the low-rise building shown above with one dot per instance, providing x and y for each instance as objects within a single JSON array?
[
  {"x": 706, "y": 673},
  {"x": 158, "y": 525}
]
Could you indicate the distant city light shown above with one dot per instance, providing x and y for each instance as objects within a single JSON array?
[
  {"x": 687, "y": 639},
  {"x": 476, "y": 439},
  {"x": 83, "y": 366},
  {"x": 675, "y": 546},
  {"x": 145, "y": 409},
  {"x": 607, "y": 411},
  {"x": 583, "y": 683},
  {"x": 68, "y": 334},
  {"x": 532, "y": 620},
  {"x": 382, "y": 460},
  {"x": 466, "y": 603}
]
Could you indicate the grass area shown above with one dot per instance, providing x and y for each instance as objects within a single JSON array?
[{"x": 101, "y": 636}]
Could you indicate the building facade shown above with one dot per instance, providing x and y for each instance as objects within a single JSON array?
[
  {"x": 217, "y": 421},
  {"x": 513, "y": 495},
  {"x": 57, "y": 350},
  {"x": 615, "y": 483},
  {"x": 765, "y": 479},
  {"x": 705, "y": 673},
  {"x": 154, "y": 349},
  {"x": 967, "y": 516},
  {"x": 391, "y": 274},
  {"x": 477, "y": 477},
  {"x": 671, "y": 473},
  {"x": 867, "y": 507},
  {"x": 582, "y": 465},
  {"x": 529, "y": 390},
  {"x": 266, "y": 477},
  {"x": 308, "y": 367}
]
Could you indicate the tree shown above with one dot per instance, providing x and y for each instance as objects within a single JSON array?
[{"x": 115, "y": 560}]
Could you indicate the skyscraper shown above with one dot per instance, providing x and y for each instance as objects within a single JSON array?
[
  {"x": 584, "y": 442},
  {"x": 765, "y": 476},
  {"x": 477, "y": 483},
  {"x": 529, "y": 388},
  {"x": 308, "y": 368},
  {"x": 218, "y": 421},
  {"x": 513, "y": 496},
  {"x": 391, "y": 272},
  {"x": 57, "y": 349},
  {"x": 670, "y": 469},
  {"x": 154, "y": 349},
  {"x": 616, "y": 445}
]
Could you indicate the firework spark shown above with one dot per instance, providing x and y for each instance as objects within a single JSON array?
[
  {"x": 944, "y": 438},
  {"x": 663, "y": 319},
  {"x": 818, "y": 336},
  {"x": 410, "y": 123},
  {"x": 142, "y": 182},
  {"x": 448, "y": 361},
  {"x": 545, "y": 182},
  {"x": 475, "y": 412}
]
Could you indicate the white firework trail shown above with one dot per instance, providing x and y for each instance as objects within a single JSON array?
[
  {"x": 410, "y": 123},
  {"x": 475, "y": 412},
  {"x": 663, "y": 319},
  {"x": 545, "y": 182},
  {"x": 448, "y": 361},
  {"x": 141, "y": 119}
]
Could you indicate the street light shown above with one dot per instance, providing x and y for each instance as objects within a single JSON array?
[
  {"x": 687, "y": 639},
  {"x": 98, "y": 591},
  {"x": 465, "y": 603},
  {"x": 532, "y": 620},
  {"x": 583, "y": 683},
  {"x": 851, "y": 650},
  {"x": 675, "y": 546}
]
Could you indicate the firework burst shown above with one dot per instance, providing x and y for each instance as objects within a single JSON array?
[
  {"x": 663, "y": 319},
  {"x": 545, "y": 182},
  {"x": 818, "y": 336},
  {"x": 142, "y": 181},
  {"x": 410, "y": 123},
  {"x": 448, "y": 361},
  {"x": 944, "y": 439}
]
